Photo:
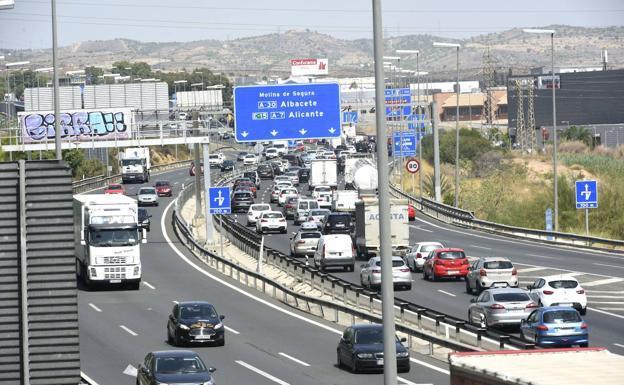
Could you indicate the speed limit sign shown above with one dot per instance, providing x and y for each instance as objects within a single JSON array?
[{"x": 412, "y": 166}]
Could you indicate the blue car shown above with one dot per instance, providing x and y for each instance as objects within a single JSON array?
[{"x": 555, "y": 326}]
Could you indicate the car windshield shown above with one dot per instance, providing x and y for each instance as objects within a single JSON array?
[
  {"x": 272, "y": 215},
  {"x": 162, "y": 184},
  {"x": 511, "y": 297},
  {"x": 261, "y": 208},
  {"x": 213, "y": 156},
  {"x": 497, "y": 265},
  {"x": 310, "y": 235},
  {"x": 179, "y": 365},
  {"x": 563, "y": 284},
  {"x": 561, "y": 316},
  {"x": 147, "y": 190},
  {"x": 395, "y": 263},
  {"x": 113, "y": 237},
  {"x": 114, "y": 187},
  {"x": 264, "y": 168},
  {"x": 197, "y": 311},
  {"x": 369, "y": 336},
  {"x": 426, "y": 248},
  {"x": 322, "y": 189},
  {"x": 316, "y": 213},
  {"x": 131, "y": 162},
  {"x": 452, "y": 255}
]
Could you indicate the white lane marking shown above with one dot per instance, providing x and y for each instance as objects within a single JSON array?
[
  {"x": 294, "y": 359},
  {"x": 128, "y": 330},
  {"x": 408, "y": 382},
  {"x": 605, "y": 296},
  {"x": 602, "y": 282},
  {"x": 89, "y": 379},
  {"x": 262, "y": 373},
  {"x": 607, "y": 291},
  {"x": 606, "y": 312},
  {"x": 97, "y": 309},
  {"x": 258, "y": 299},
  {"x": 149, "y": 285},
  {"x": 618, "y": 345},
  {"x": 420, "y": 228},
  {"x": 176, "y": 302},
  {"x": 541, "y": 256},
  {"x": 607, "y": 265},
  {"x": 530, "y": 269},
  {"x": 607, "y": 303},
  {"x": 229, "y": 329},
  {"x": 447, "y": 293},
  {"x": 130, "y": 371},
  {"x": 481, "y": 247},
  {"x": 612, "y": 308}
]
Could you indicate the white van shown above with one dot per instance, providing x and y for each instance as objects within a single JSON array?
[
  {"x": 335, "y": 250},
  {"x": 282, "y": 147}
]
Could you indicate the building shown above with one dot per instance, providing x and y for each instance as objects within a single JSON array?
[{"x": 471, "y": 105}]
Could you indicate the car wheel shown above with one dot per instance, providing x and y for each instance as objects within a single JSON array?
[
  {"x": 424, "y": 275},
  {"x": 586, "y": 344},
  {"x": 174, "y": 340},
  {"x": 338, "y": 361},
  {"x": 480, "y": 287},
  {"x": 135, "y": 285},
  {"x": 468, "y": 288},
  {"x": 433, "y": 276},
  {"x": 583, "y": 311},
  {"x": 169, "y": 338},
  {"x": 470, "y": 321},
  {"x": 221, "y": 342},
  {"x": 354, "y": 367}
]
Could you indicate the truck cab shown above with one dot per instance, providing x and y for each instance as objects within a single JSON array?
[{"x": 135, "y": 165}]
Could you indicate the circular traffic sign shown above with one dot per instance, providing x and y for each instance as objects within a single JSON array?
[
  {"x": 258, "y": 148},
  {"x": 413, "y": 166}
]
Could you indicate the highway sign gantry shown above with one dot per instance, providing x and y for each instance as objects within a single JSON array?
[
  {"x": 413, "y": 166},
  {"x": 586, "y": 194},
  {"x": 287, "y": 112},
  {"x": 219, "y": 200}
]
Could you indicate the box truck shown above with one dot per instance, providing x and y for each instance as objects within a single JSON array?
[
  {"x": 367, "y": 225},
  {"x": 135, "y": 165},
  {"x": 323, "y": 172}
]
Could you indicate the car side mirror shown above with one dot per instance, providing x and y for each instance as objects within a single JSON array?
[
  {"x": 403, "y": 339},
  {"x": 523, "y": 321},
  {"x": 363, "y": 265},
  {"x": 212, "y": 370},
  {"x": 221, "y": 317},
  {"x": 529, "y": 287},
  {"x": 473, "y": 300}
]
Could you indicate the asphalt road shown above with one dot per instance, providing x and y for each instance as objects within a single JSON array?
[
  {"x": 601, "y": 274},
  {"x": 266, "y": 342}
]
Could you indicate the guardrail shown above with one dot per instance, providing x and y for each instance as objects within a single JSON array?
[{"x": 414, "y": 320}]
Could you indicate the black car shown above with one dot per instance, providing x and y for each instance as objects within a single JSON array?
[
  {"x": 241, "y": 200},
  {"x": 265, "y": 171},
  {"x": 195, "y": 322},
  {"x": 227, "y": 165},
  {"x": 241, "y": 156},
  {"x": 276, "y": 168},
  {"x": 304, "y": 175},
  {"x": 173, "y": 367},
  {"x": 361, "y": 348},
  {"x": 144, "y": 219},
  {"x": 337, "y": 223}
]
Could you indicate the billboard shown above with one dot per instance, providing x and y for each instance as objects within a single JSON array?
[
  {"x": 77, "y": 125},
  {"x": 304, "y": 67},
  {"x": 213, "y": 99},
  {"x": 42, "y": 98}
]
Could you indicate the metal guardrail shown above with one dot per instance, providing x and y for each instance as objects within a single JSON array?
[{"x": 429, "y": 325}]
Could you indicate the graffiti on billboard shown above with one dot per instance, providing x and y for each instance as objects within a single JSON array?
[{"x": 77, "y": 125}]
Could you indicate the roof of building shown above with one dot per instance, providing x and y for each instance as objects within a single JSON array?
[{"x": 470, "y": 99}]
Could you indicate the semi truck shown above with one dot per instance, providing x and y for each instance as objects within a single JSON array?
[
  {"x": 135, "y": 165},
  {"x": 323, "y": 172},
  {"x": 108, "y": 238},
  {"x": 367, "y": 225},
  {"x": 360, "y": 173}
]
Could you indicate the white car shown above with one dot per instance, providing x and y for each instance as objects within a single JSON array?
[
  {"x": 250, "y": 159},
  {"x": 370, "y": 274},
  {"x": 559, "y": 290},
  {"x": 147, "y": 196},
  {"x": 491, "y": 272},
  {"x": 321, "y": 189},
  {"x": 286, "y": 193},
  {"x": 281, "y": 178},
  {"x": 324, "y": 200},
  {"x": 415, "y": 258},
  {"x": 275, "y": 192},
  {"x": 255, "y": 211},
  {"x": 271, "y": 221},
  {"x": 271, "y": 153},
  {"x": 215, "y": 160}
]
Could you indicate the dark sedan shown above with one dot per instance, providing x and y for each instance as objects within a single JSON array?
[
  {"x": 227, "y": 165},
  {"x": 361, "y": 348},
  {"x": 195, "y": 322},
  {"x": 265, "y": 171},
  {"x": 144, "y": 219},
  {"x": 241, "y": 201},
  {"x": 174, "y": 367}
]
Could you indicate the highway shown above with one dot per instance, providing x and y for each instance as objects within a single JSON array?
[{"x": 266, "y": 342}]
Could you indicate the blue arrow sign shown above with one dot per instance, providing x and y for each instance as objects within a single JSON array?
[
  {"x": 404, "y": 143},
  {"x": 219, "y": 200},
  {"x": 349, "y": 117},
  {"x": 287, "y": 112},
  {"x": 586, "y": 194}
]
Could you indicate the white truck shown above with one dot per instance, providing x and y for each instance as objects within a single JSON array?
[
  {"x": 108, "y": 238},
  {"x": 367, "y": 225},
  {"x": 344, "y": 201},
  {"x": 323, "y": 172},
  {"x": 135, "y": 165},
  {"x": 352, "y": 163},
  {"x": 365, "y": 179}
]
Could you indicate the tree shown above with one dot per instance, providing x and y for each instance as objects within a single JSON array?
[
  {"x": 92, "y": 75},
  {"x": 578, "y": 133}
]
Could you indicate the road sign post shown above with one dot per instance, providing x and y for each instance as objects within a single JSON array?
[
  {"x": 287, "y": 112},
  {"x": 413, "y": 166},
  {"x": 586, "y": 198}
]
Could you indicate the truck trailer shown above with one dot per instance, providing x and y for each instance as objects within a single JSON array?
[
  {"x": 108, "y": 238},
  {"x": 323, "y": 172},
  {"x": 367, "y": 225}
]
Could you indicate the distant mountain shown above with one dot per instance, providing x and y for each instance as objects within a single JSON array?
[{"x": 269, "y": 54}]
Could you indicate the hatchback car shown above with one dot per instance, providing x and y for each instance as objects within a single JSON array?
[
  {"x": 318, "y": 190},
  {"x": 255, "y": 211},
  {"x": 293, "y": 176},
  {"x": 250, "y": 159},
  {"x": 147, "y": 196},
  {"x": 555, "y": 326},
  {"x": 370, "y": 274},
  {"x": 241, "y": 201},
  {"x": 290, "y": 207},
  {"x": 174, "y": 367},
  {"x": 415, "y": 257},
  {"x": 507, "y": 306},
  {"x": 304, "y": 175},
  {"x": 241, "y": 155},
  {"x": 115, "y": 189},
  {"x": 337, "y": 223},
  {"x": 195, "y": 322},
  {"x": 265, "y": 171},
  {"x": 163, "y": 188},
  {"x": 227, "y": 165},
  {"x": 361, "y": 348},
  {"x": 318, "y": 216},
  {"x": 286, "y": 193},
  {"x": 304, "y": 243},
  {"x": 271, "y": 153},
  {"x": 559, "y": 291},
  {"x": 444, "y": 263},
  {"x": 491, "y": 272},
  {"x": 271, "y": 221}
]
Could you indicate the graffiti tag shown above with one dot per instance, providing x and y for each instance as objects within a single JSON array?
[{"x": 78, "y": 125}]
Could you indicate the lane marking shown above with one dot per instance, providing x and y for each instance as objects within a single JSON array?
[
  {"x": 481, "y": 247},
  {"x": 97, "y": 309},
  {"x": 260, "y": 300},
  {"x": 602, "y": 282},
  {"x": 447, "y": 293},
  {"x": 408, "y": 382},
  {"x": 612, "y": 308},
  {"x": 607, "y": 303},
  {"x": 229, "y": 329},
  {"x": 149, "y": 285},
  {"x": 606, "y": 296},
  {"x": 606, "y": 312},
  {"x": 176, "y": 302},
  {"x": 128, "y": 330},
  {"x": 262, "y": 373},
  {"x": 420, "y": 228},
  {"x": 130, "y": 371},
  {"x": 607, "y": 265},
  {"x": 541, "y": 256},
  {"x": 89, "y": 379},
  {"x": 294, "y": 359},
  {"x": 618, "y": 345},
  {"x": 530, "y": 269}
]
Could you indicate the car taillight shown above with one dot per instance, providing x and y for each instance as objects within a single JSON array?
[
  {"x": 405, "y": 270},
  {"x": 497, "y": 306},
  {"x": 282, "y": 220},
  {"x": 376, "y": 271},
  {"x": 542, "y": 327},
  {"x": 583, "y": 325},
  {"x": 300, "y": 242},
  {"x": 531, "y": 305},
  {"x": 438, "y": 262},
  {"x": 418, "y": 255},
  {"x": 548, "y": 292},
  {"x": 580, "y": 291},
  {"x": 514, "y": 271},
  {"x": 264, "y": 221},
  {"x": 482, "y": 273}
]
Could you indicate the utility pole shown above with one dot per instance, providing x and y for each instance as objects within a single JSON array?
[
  {"x": 57, "y": 103},
  {"x": 436, "y": 153}
]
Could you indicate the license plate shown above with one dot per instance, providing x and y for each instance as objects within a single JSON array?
[
  {"x": 452, "y": 272},
  {"x": 565, "y": 304},
  {"x": 115, "y": 281},
  {"x": 380, "y": 361},
  {"x": 203, "y": 337},
  {"x": 500, "y": 285}
]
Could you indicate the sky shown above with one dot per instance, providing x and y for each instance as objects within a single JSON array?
[{"x": 28, "y": 24}]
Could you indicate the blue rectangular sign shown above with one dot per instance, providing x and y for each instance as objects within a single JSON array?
[
  {"x": 219, "y": 200},
  {"x": 398, "y": 102},
  {"x": 404, "y": 143},
  {"x": 586, "y": 194},
  {"x": 349, "y": 117},
  {"x": 292, "y": 111}
]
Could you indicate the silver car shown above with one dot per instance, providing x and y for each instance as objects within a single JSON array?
[
  {"x": 318, "y": 216},
  {"x": 488, "y": 272},
  {"x": 304, "y": 243},
  {"x": 370, "y": 274},
  {"x": 293, "y": 177},
  {"x": 147, "y": 196},
  {"x": 415, "y": 258},
  {"x": 506, "y": 306}
]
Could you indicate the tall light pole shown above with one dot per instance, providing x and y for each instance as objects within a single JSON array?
[
  {"x": 8, "y": 107},
  {"x": 55, "y": 76},
  {"x": 551, "y": 32},
  {"x": 457, "y": 47}
]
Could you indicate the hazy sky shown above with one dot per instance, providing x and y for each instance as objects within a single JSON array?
[{"x": 28, "y": 24}]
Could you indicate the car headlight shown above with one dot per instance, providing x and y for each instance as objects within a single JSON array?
[
  {"x": 211, "y": 382},
  {"x": 218, "y": 326},
  {"x": 184, "y": 327},
  {"x": 365, "y": 355},
  {"x": 402, "y": 354}
]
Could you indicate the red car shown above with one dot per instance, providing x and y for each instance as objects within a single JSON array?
[
  {"x": 163, "y": 188},
  {"x": 411, "y": 212},
  {"x": 115, "y": 189},
  {"x": 444, "y": 263}
]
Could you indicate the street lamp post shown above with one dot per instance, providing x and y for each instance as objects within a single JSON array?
[
  {"x": 457, "y": 47},
  {"x": 395, "y": 86},
  {"x": 551, "y": 32}
]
